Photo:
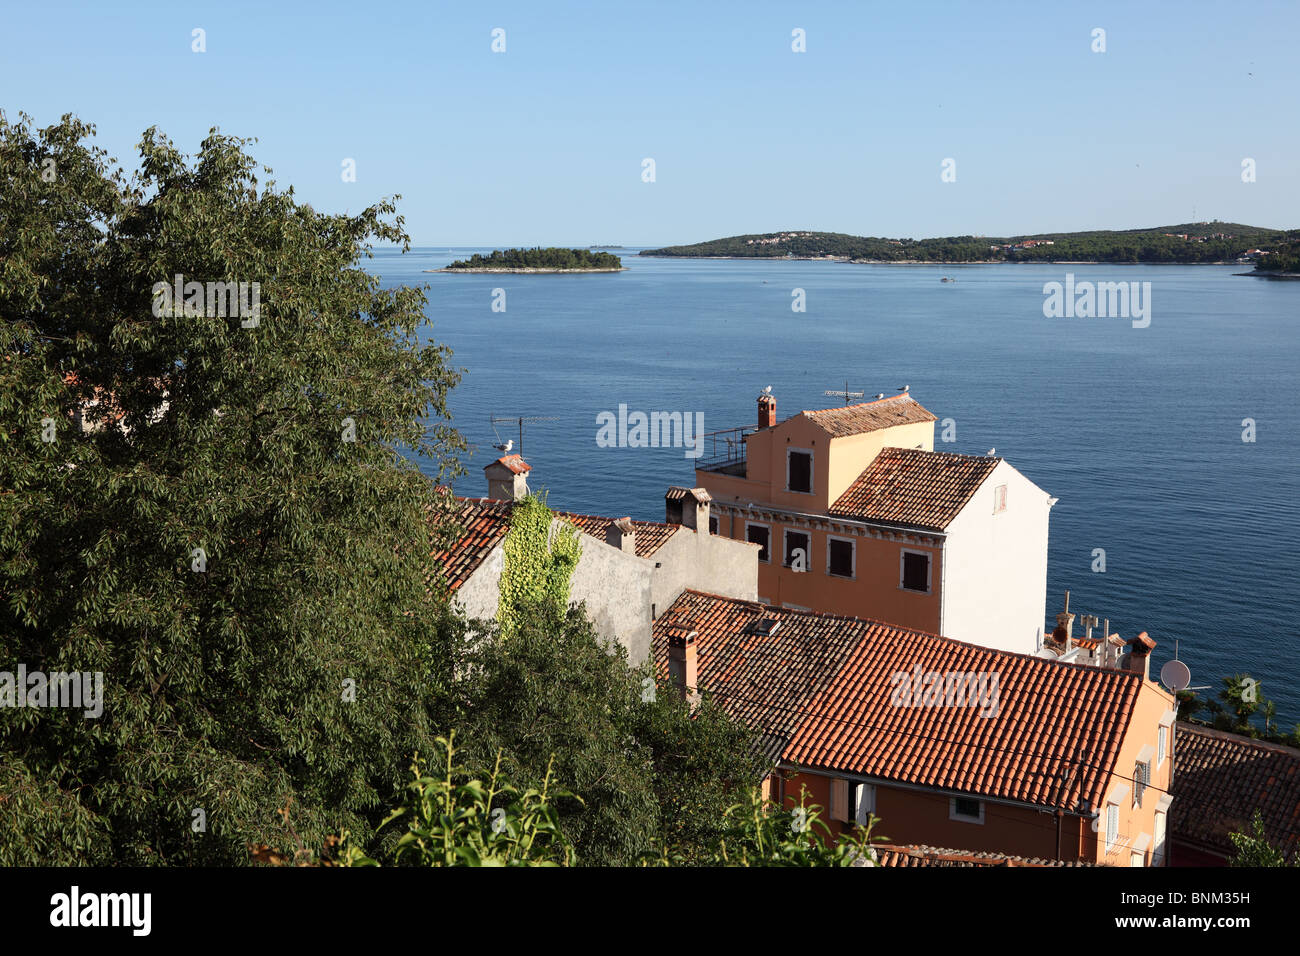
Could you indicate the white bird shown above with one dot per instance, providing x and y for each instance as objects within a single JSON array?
[
  {"x": 991, "y": 451},
  {"x": 905, "y": 388},
  {"x": 767, "y": 389},
  {"x": 880, "y": 396},
  {"x": 506, "y": 446}
]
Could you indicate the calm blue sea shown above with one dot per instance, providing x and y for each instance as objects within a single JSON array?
[{"x": 1138, "y": 432}]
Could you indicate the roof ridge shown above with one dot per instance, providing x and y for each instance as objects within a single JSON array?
[
  {"x": 871, "y": 621},
  {"x": 874, "y": 401},
  {"x": 931, "y": 451},
  {"x": 1229, "y": 737}
]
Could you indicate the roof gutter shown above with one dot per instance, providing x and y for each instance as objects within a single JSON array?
[
  {"x": 884, "y": 781},
  {"x": 856, "y": 522}
]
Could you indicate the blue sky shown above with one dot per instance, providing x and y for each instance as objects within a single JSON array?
[{"x": 543, "y": 144}]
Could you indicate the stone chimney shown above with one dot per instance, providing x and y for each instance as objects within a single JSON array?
[
  {"x": 688, "y": 507},
  {"x": 1065, "y": 626},
  {"x": 682, "y": 663},
  {"x": 507, "y": 478},
  {"x": 766, "y": 410},
  {"x": 1138, "y": 658},
  {"x": 621, "y": 534}
]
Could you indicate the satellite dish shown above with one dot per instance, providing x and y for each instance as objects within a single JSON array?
[{"x": 1175, "y": 675}]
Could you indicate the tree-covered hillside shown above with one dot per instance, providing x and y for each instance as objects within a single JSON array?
[{"x": 1186, "y": 243}]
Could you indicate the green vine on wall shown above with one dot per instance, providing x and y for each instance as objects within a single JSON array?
[{"x": 538, "y": 564}]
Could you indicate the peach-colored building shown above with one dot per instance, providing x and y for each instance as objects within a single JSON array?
[
  {"x": 949, "y": 743},
  {"x": 856, "y": 513}
]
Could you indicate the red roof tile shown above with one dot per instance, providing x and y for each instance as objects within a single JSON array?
[
  {"x": 514, "y": 463},
  {"x": 821, "y": 685},
  {"x": 1220, "y": 779},
  {"x": 870, "y": 416},
  {"x": 919, "y": 489},
  {"x": 920, "y": 855},
  {"x": 485, "y": 522},
  {"x": 650, "y": 535}
]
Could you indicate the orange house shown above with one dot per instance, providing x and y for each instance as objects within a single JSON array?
[
  {"x": 856, "y": 513},
  {"x": 950, "y": 744}
]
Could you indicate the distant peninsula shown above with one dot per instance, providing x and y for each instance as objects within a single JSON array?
[
  {"x": 537, "y": 260},
  {"x": 1189, "y": 243}
]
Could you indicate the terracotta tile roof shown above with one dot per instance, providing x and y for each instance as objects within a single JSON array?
[
  {"x": 650, "y": 535},
  {"x": 1219, "y": 781},
  {"x": 514, "y": 463},
  {"x": 921, "y": 855},
  {"x": 919, "y": 489},
  {"x": 486, "y": 520},
  {"x": 870, "y": 416},
  {"x": 822, "y": 683}
]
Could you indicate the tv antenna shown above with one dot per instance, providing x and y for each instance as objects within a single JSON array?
[
  {"x": 519, "y": 420},
  {"x": 845, "y": 393}
]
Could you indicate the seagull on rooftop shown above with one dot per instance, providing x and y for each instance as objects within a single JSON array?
[
  {"x": 905, "y": 388},
  {"x": 991, "y": 451},
  {"x": 880, "y": 396},
  {"x": 505, "y": 447}
]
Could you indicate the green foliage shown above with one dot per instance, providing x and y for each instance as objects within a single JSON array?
[
  {"x": 1282, "y": 256},
  {"x": 1205, "y": 242},
  {"x": 633, "y": 753},
  {"x": 539, "y": 258},
  {"x": 1253, "y": 849},
  {"x": 225, "y": 688},
  {"x": 538, "y": 564},
  {"x": 761, "y": 834},
  {"x": 458, "y": 818}
]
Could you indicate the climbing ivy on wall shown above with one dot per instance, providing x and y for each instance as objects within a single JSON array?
[{"x": 537, "y": 564}]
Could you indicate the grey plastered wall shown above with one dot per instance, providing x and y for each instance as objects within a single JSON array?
[{"x": 704, "y": 562}]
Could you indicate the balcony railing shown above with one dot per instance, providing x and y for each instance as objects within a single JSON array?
[{"x": 725, "y": 450}]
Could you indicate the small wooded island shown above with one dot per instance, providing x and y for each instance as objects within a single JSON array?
[{"x": 537, "y": 260}]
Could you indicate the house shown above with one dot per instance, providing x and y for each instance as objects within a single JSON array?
[
  {"x": 950, "y": 743},
  {"x": 629, "y": 571},
  {"x": 1220, "y": 780},
  {"x": 856, "y": 513}
]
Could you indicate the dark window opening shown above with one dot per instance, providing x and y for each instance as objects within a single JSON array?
[
  {"x": 757, "y": 534},
  {"x": 916, "y": 571},
  {"x": 800, "y": 476},
  {"x": 966, "y": 808},
  {"x": 841, "y": 558},
  {"x": 796, "y": 541}
]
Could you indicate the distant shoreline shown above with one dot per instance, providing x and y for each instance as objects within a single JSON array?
[
  {"x": 930, "y": 262},
  {"x": 522, "y": 271}
]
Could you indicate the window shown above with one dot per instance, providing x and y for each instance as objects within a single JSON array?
[
  {"x": 798, "y": 471},
  {"x": 1112, "y": 825},
  {"x": 839, "y": 800},
  {"x": 1141, "y": 777},
  {"x": 797, "y": 541},
  {"x": 759, "y": 534},
  {"x": 839, "y": 557},
  {"x": 1135, "y": 859},
  {"x": 966, "y": 810},
  {"x": 713, "y": 524},
  {"x": 1158, "y": 847},
  {"x": 915, "y": 566},
  {"x": 999, "y": 499},
  {"x": 1162, "y": 741},
  {"x": 864, "y": 803}
]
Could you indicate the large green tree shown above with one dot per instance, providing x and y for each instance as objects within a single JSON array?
[{"x": 237, "y": 542}]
